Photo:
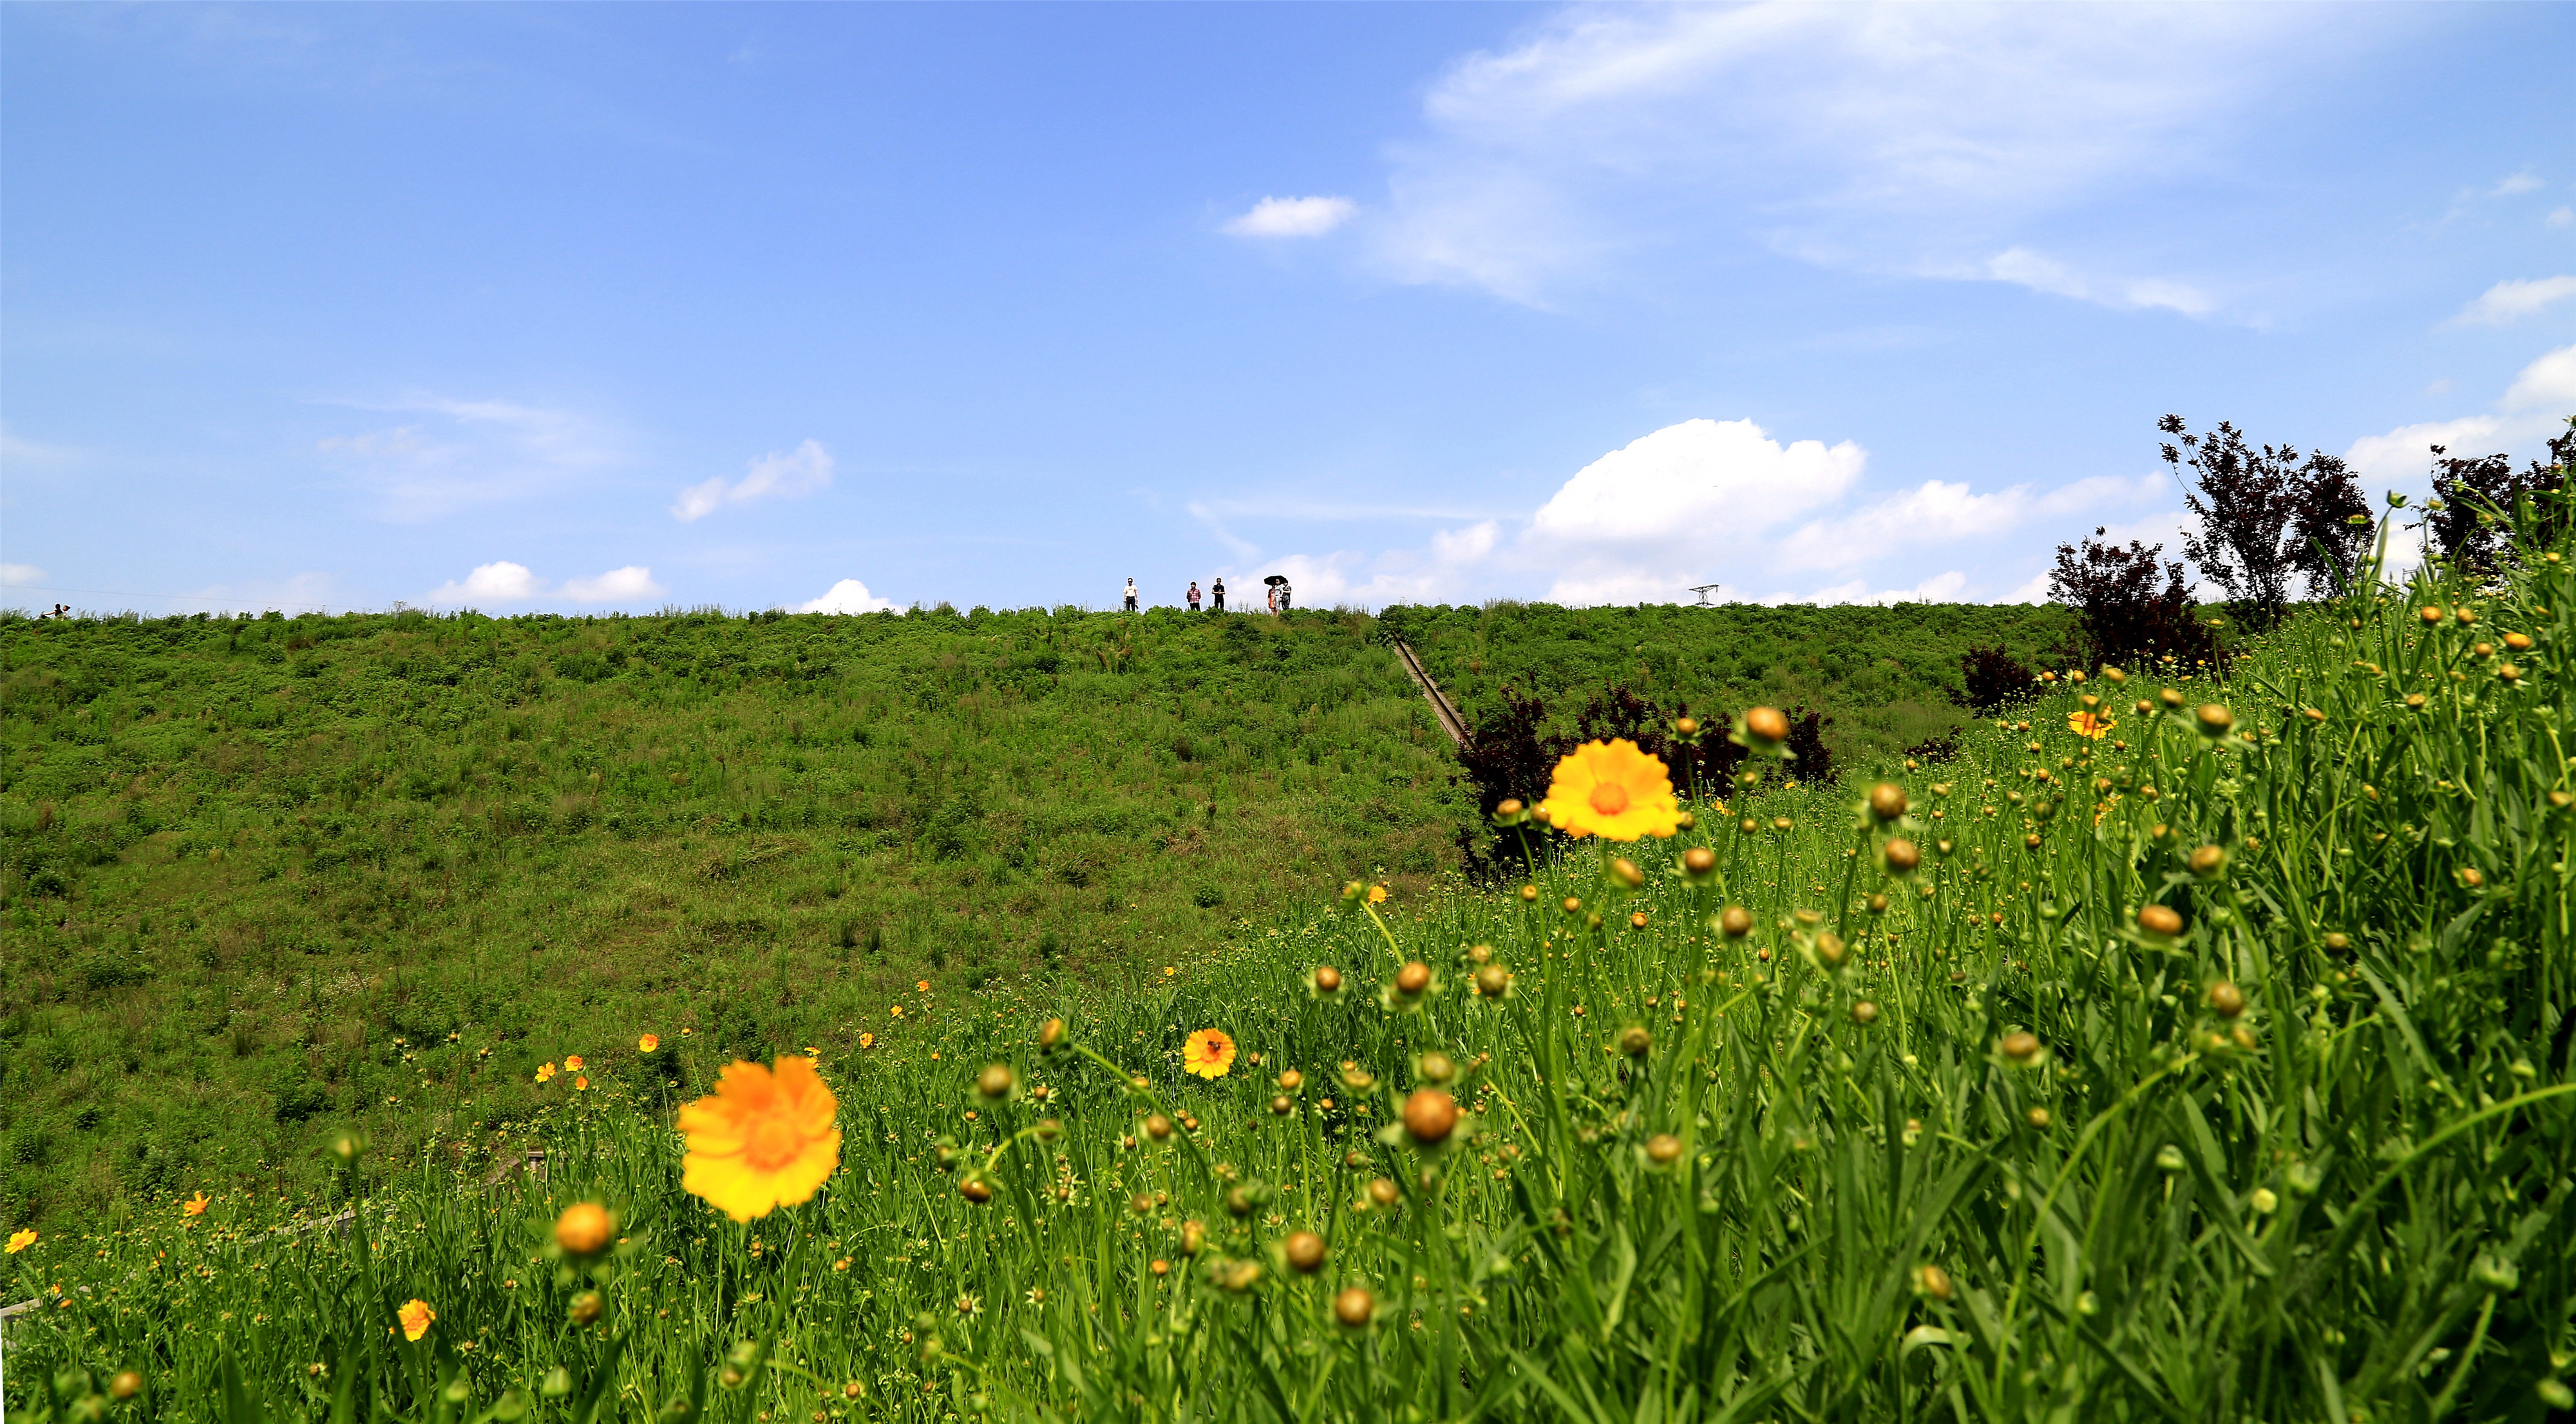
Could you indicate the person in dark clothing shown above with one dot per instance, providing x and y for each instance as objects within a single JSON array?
[{"x": 1217, "y": 590}]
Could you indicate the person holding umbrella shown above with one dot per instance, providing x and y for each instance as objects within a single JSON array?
[{"x": 1278, "y": 592}]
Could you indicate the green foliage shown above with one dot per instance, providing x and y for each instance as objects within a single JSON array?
[
  {"x": 1888, "y": 676},
  {"x": 1991, "y": 1139}
]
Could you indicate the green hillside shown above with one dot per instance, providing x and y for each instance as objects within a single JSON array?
[
  {"x": 256, "y": 872},
  {"x": 2213, "y": 1064}
]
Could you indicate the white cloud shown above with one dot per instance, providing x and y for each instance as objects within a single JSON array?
[
  {"x": 625, "y": 585},
  {"x": 497, "y": 584},
  {"x": 2023, "y": 267},
  {"x": 459, "y": 454},
  {"x": 2560, "y": 216},
  {"x": 21, "y": 573},
  {"x": 2522, "y": 182},
  {"x": 2537, "y": 404},
  {"x": 2511, "y": 300},
  {"x": 2547, "y": 385},
  {"x": 847, "y": 596},
  {"x": 1916, "y": 139},
  {"x": 800, "y": 471},
  {"x": 1292, "y": 217},
  {"x": 1708, "y": 501}
]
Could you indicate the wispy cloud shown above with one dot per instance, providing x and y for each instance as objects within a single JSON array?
[
  {"x": 2537, "y": 404},
  {"x": 2524, "y": 181},
  {"x": 2023, "y": 267},
  {"x": 2512, "y": 300},
  {"x": 452, "y": 455},
  {"x": 1912, "y": 139},
  {"x": 21, "y": 574},
  {"x": 800, "y": 471},
  {"x": 1292, "y": 217}
]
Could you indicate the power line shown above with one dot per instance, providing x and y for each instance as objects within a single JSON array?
[{"x": 120, "y": 593}]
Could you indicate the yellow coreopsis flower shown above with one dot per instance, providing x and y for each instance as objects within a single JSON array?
[
  {"x": 648, "y": 1043},
  {"x": 1208, "y": 1054},
  {"x": 1612, "y": 790},
  {"x": 416, "y": 1317},
  {"x": 572, "y": 1063},
  {"x": 196, "y": 1205},
  {"x": 2085, "y": 724},
  {"x": 545, "y": 1072},
  {"x": 21, "y": 1240},
  {"x": 765, "y": 1138},
  {"x": 1377, "y": 894}
]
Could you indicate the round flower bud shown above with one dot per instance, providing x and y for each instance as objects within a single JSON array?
[
  {"x": 1887, "y": 801},
  {"x": 996, "y": 1081},
  {"x": 2215, "y": 721},
  {"x": 1663, "y": 1149},
  {"x": 586, "y": 1307},
  {"x": 1932, "y": 1281},
  {"x": 1637, "y": 920},
  {"x": 1385, "y": 1193},
  {"x": 1686, "y": 726},
  {"x": 1767, "y": 725},
  {"x": 1529, "y": 894},
  {"x": 1050, "y": 1034},
  {"x": 2021, "y": 1046},
  {"x": 1493, "y": 981},
  {"x": 1328, "y": 980},
  {"x": 1305, "y": 1252},
  {"x": 2339, "y": 942},
  {"x": 2171, "y": 697},
  {"x": 2159, "y": 920},
  {"x": 1413, "y": 978},
  {"x": 1625, "y": 871},
  {"x": 1736, "y": 921},
  {"x": 1430, "y": 1115},
  {"x": 2208, "y": 861},
  {"x": 584, "y": 1229},
  {"x": 1292, "y": 1080},
  {"x": 1283, "y": 1105},
  {"x": 976, "y": 1190},
  {"x": 2226, "y": 1000},
  {"x": 126, "y": 1385},
  {"x": 1158, "y": 1127},
  {"x": 1699, "y": 862},
  {"x": 1635, "y": 1041},
  {"x": 1830, "y": 949},
  {"x": 1354, "y": 1307},
  {"x": 1438, "y": 1067},
  {"x": 1902, "y": 857},
  {"x": 1864, "y": 1012},
  {"x": 1193, "y": 1238}
]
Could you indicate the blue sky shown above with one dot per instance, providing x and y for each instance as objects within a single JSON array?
[{"x": 606, "y": 307}]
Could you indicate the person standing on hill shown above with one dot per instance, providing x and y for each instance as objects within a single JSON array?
[
  {"x": 1194, "y": 595},
  {"x": 1131, "y": 593},
  {"x": 1283, "y": 596},
  {"x": 1274, "y": 598},
  {"x": 1218, "y": 590}
]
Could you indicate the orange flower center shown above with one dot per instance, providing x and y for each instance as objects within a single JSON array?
[
  {"x": 772, "y": 1144},
  {"x": 1609, "y": 798}
]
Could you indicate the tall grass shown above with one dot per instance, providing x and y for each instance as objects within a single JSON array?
[{"x": 2218, "y": 1069}]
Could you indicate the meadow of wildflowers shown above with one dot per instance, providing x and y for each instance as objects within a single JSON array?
[{"x": 2182, "y": 1048}]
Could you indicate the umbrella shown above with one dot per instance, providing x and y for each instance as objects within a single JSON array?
[{"x": 1276, "y": 578}]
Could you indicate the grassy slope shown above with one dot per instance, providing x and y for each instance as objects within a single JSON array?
[
  {"x": 250, "y": 873},
  {"x": 2347, "y": 1202},
  {"x": 1883, "y": 674}
]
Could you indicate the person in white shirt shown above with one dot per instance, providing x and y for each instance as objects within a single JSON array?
[{"x": 1131, "y": 593}]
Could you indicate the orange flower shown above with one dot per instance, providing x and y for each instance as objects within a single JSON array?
[
  {"x": 895, "y": 1010},
  {"x": 572, "y": 1062},
  {"x": 1377, "y": 894},
  {"x": 922, "y": 984},
  {"x": 21, "y": 1240},
  {"x": 2085, "y": 724},
  {"x": 867, "y": 1040},
  {"x": 581, "y": 1085},
  {"x": 764, "y": 1138},
  {"x": 416, "y": 1317},
  {"x": 1614, "y": 791},
  {"x": 648, "y": 1043},
  {"x": 1209, "y": 1053},
  {"x": 545, "y": 1072},
  {"x": 196, "y": 1205}
]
